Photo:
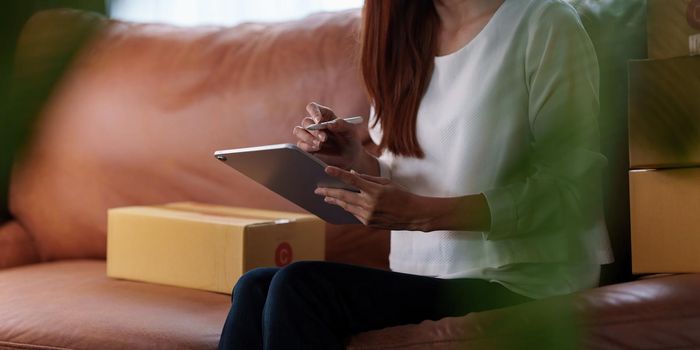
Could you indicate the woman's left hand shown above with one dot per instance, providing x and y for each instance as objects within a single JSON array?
[{"x": 381, "y": 203}]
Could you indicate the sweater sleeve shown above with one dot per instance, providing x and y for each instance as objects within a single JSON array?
[{"x": 558, "y": 187}]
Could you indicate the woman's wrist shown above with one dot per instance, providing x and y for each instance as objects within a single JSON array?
[{"x": 467, "y": 213}]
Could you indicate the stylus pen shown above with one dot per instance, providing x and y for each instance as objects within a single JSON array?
[{"x": 324, "y": 125}]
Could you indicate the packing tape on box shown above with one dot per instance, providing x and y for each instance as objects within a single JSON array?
[
  {"x": 694, "y": 43},
  {"x": 694, "y": 22}
]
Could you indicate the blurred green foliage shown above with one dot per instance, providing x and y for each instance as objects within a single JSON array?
[
  {"x": 664, "y": 105},
  {"x": 618, "y": 31},
  {"x": 21, "y": 98}
]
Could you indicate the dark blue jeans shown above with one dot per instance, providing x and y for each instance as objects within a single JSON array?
[{"x": 318, "y": 305}]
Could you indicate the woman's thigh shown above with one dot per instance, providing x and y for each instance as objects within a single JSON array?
[{"x": 352, "y": 299}]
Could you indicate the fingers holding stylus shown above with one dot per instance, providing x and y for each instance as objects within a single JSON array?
[
  {"x": 318, "y": 134},
  {"x": 334, "y": 141},
  {"x": 319, "y": 113},
  {"x": 308, "y": 140},
  {"x": 305, "y": 140}
]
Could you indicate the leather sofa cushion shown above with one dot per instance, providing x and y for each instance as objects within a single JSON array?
[
  {"x": 137, "y": 119},
  {"x": 73, "y": 305},
  {"x": 16, "y": 246},
  {"x": 654, "y": 313}
]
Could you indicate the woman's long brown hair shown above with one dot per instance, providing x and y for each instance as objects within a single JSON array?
[{"x": 398, "y": 47}]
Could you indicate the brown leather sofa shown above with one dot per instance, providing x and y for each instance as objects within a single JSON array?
[{"x": 135, "y": 121}]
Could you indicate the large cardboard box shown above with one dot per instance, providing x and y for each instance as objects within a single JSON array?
[
  {"x": 664, "y": 113},
  {"x": 673, "y": 28},
  {"x": 665, "y": 220},
  {"x": 204, "y": 246}
]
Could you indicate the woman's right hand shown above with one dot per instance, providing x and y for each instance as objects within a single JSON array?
[{"x": 339, "y": 145}]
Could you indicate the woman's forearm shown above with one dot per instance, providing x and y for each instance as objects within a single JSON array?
[
  {"x": 384, "y": 204},
  {"x": 467, "y": 213}
]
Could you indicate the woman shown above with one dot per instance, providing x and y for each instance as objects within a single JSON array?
[{"x": 489, "y": 176}]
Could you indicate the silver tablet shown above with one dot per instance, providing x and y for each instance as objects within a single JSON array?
[{"x": 291, "y": 173}]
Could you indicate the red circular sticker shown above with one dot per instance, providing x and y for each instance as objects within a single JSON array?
[
  {"x": 283, "y": 254},
  {"x": 694, "y": 14}
]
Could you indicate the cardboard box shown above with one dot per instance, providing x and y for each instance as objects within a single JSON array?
[
  {"x": 205, "y": 246},
  {"x": 664, "y": 113},
  {"x": 673, "y": 28},
  {"x": 665, "y": 220}
]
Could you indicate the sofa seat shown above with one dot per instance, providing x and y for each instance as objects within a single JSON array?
[
  {"x": 73, "y": 305},
  {"x": 659, "y": 312},
  {"x": 16, "y": 246}
]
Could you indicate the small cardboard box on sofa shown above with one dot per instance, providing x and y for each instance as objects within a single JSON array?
[{"x": 206, "y": 247}]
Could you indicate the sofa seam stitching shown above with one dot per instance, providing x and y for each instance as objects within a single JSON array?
[{"x": 28, "y": 346}]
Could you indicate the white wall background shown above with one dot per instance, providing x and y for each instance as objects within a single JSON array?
[{"x": 221, "y": 12}]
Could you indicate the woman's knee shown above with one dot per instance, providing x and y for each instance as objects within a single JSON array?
[
  {"x": 301, "y": 294},
  {"x": 254, "y": 283},
  {"x": 298, "y": 275}
]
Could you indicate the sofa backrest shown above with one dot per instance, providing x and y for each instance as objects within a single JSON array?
[
  {"x": 138, "y": 117},
  {"x": 136, "y": 120}
]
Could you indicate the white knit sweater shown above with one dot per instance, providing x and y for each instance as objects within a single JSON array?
[{"x": 512, "y": 115}]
